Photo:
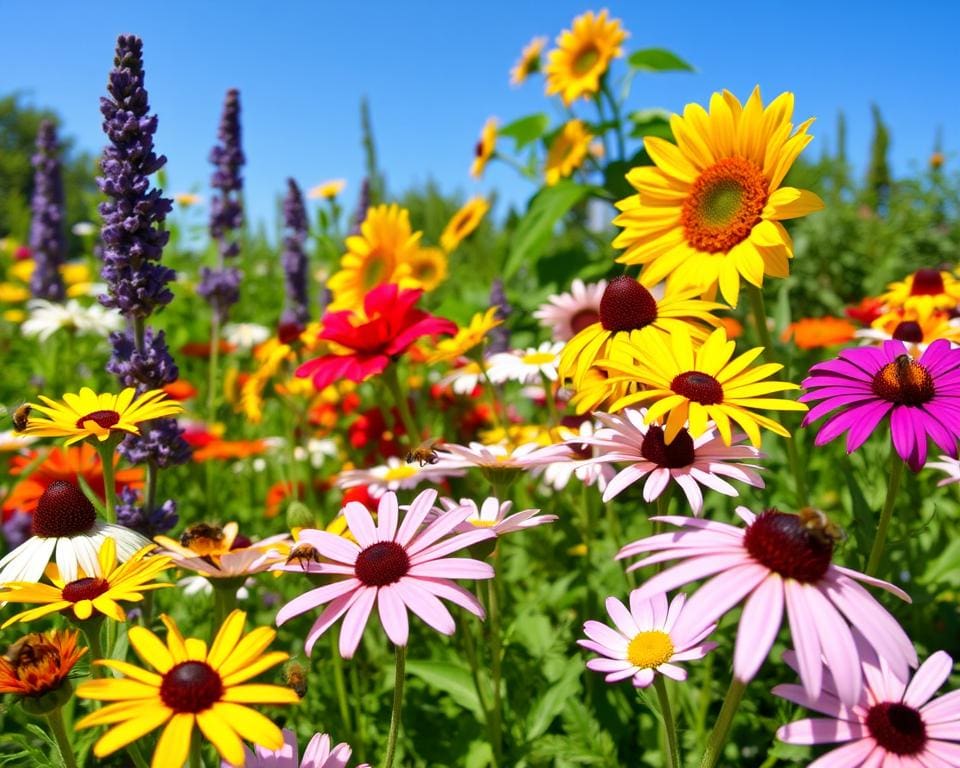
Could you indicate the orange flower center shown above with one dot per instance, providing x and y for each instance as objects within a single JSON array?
[
  {"x": 31, "y": 652},
  {"x": 698, "y": 387},
  {"x": 724, "y": 205},
  {"x": 191, "y": 686},
  {"x": 904, "y": 382},
  {"x": 105, "y": 419}
]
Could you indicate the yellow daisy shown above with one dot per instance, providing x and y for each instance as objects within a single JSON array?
[
  {"x": 186, "y": 199},
  {"x": 464, "y": 222},
  {"x": 327, "y": 190},
  {"x": 567, "y": 151},
  {"x": 485, "y": 148},
  {"x": 597, "y": 392},
  {"x": 582, "y": 56},
  {"x": 467, "y": 337},
  {"x": 428, "y": 268},
  {"x": 88, "y": 414},
  {"x": 709, "y": 211},
  {"x": 702, "y": 384},
  {"x": 911, "y": 328},
  {"x": 924, "y": 292},
  {"x": 88, "y": 595},
  {"x": 379, "y": 254},
  {"x": 191, "y": 686},
  {"x": 13, "y": 293},
  {"x": 529, "y": 61}
]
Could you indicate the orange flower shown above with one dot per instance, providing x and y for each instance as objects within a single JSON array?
[
  {"x": 868, "y": 310},
  {"x": 229, "y": 449},
  {"x": 732, "y": 326},
  {"x": 816, "y": 332},
  {"x": 180, "y": 390},
  {"x": 38, "y": 663},
  {"x": 202, "y": 348},
  {"x": 279, "y": 493}
]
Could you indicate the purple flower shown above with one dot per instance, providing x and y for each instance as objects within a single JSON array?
[
  {"x": 363, "y": 204},
  {"x": 160, "y": 442},
  {"x": 149, "y": 523},
  {"x": 499, "y": 336},
  {"x": 47, "y": 237},
  {"x": 220, "y": 288},
  {"x": 295, "y": 257},
  {"x": 149, "y": 367},
  {"x": 226, "y": 206}
]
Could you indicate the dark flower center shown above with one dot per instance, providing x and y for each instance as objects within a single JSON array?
[
  {"x": 678, "y": 454},
  {"x": 84, "y": 589},
  {"x": 908, "y": 331},
  {"x": 698, "y": 387},
  {"x": 927, "y": 282},
  {"x": 785, "y": 545},
  {"x": 191, "y": 686},
  {"x": 289, "y": 332},
  {"x": 626, "y": 305},
  {"x": 383, "y": 563},
  {"x": 62, "y": 510},
  {"x": 478, "y": 149},
  {"x": 585, "y": 59},
  {"x": 31, "y": 651},
  {"x": 584, "y": 319},
  {"x": 904, "y": 382},
  {"x": 897, "y": 728},
  {"x": 105, "y": 419}
]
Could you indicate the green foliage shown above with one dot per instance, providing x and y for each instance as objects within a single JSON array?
[{"x": 658, "y": 60}]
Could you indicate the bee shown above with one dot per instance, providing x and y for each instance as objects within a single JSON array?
[
  {"x": 30, "y": 649},
  {"x": 201, "y": 537},
  {"x": 295, "y": 677},
  {"x": 304, "y": 554},
  {"x": 425, "y": 452},
  {"x": 21, "y": 416},
  {"x": 820, "y": 526}
]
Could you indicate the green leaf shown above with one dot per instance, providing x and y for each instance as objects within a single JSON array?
[
  {"x": 452, "y": 679},
  {"x": 525, "y": 130},
  {"x": 658, "y": 60},
  {"x": 552, "y": 702},
  {"x": 650, "y": 122}
]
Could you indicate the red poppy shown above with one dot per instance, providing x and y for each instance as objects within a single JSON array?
[
  {"x": 868, "y": 310},
  {"x": 388, "y": 325}
]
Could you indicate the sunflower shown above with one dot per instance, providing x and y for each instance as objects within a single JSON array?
[
  {"x": 529, "y": 61},
  {"x": 191, "y": 685},
  {"x": 87, "y": 595},
  {"x": 428, "y": 268},
  {"x": 582, "y": 55},
  {"x": 88, "y": 414},
  {"x": 466, "y": 338},
  {"x": 702, "y": 384},
  {"x": 484, "y": 148},
  {"x": 378, "y": 255},
  {"x": 567, "y": 151},
  {"x": 464, "y": 222},
  {"x": 709, "y": 211}
]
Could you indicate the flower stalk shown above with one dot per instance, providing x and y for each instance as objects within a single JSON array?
[
  {"x": 57, "y": 726},
  {"x": 669, "y": 726},
  {"x": 721, "y": 729},
  {"x": 401, "y": 659},
  {"x": 883, "y": 524}
]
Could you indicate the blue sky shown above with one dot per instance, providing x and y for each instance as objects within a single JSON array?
[{"x": 434, "y": 71}]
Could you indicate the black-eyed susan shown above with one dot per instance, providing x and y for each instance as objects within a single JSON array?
[
  {"x": 924, "y": 292},
  {"x": 485, "y": 147},
  {"x": 709, "y": 211},
  {"x": 191, "y": 686},
  {"x": 912, "y": 328},
  {"x": 464, "y": 222},
  {"x": 428, "y": 268},
  {"x": 466, "y": 337},
  {"x": 87, "y": 414},
  {"x": 567, "y": 151},
  {"x": 700, "y": 384},
  {"x": 583, "y": 54},
  {"x": 327, "y": 190},
  {"x": 529, "y": 61},
  {"x": 93, "y": 593}
]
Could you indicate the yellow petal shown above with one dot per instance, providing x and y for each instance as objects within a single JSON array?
[
  {"x": 257, "y": 693},
  {"x": 133, "y": 671},
  {"x": 251, "y": 725},
  {"x": 150, "y": 649},
  {"x": 220, "y": 733},
  {"x": 262, "y": 664},
  {"x": 118, "y": 689},
  {"x": 196, "y": 649},
  {"x": 119, "y": 736},
  {"x": 227, "y": 638},
  {"x": 174, "y": 743},
  {"x": 790, "y": 203}
]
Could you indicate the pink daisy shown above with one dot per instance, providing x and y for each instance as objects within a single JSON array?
[
  {"x": 399, "y": 569},
  {"x": 493, "y": 515},
  {"x": 318, "y": 754},
  {"x": 645, "y": 641},
  {"x": 778, "y": 561},
  {"x": 689, "y": 462},
  {"x": 569, "y": 313},
  {"x": 576, "y": 461},
  {"x": 893, "y": 724}
]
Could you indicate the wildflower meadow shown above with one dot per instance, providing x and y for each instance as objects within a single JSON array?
[{"x": 658, "y": 468}]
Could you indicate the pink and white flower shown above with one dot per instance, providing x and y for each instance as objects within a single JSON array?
[
  {"x": 949, "y": 465},
  {"x": 498, "y": 455},
  {"x": 493, "y": 515},
  {"x": 318, "y": 754},
  {"x": 395, "y": 475},
  {"x": 578, "y": 462},
  {"x": 569, "y": 313}
]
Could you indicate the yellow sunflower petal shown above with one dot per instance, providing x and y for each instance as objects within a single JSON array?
[
  {"x": 173, "y": 745},
  {"x": 253, "y": 669},
  {"x": 260, "y": 694},
  {"x": 250, "y": 724},
  {"x": 120, "y": 735},
  {"x": 133, "y": 671},
  {"x": 789, "y": 203},
  {"x": 117, "y": 689},
  {"x": 151, "y": 650},
  {"x": 221, "y": 734}
]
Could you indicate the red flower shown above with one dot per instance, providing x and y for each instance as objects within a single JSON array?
[{"x": 388, "y": 325}]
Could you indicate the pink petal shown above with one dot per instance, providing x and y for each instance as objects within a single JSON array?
[
  {"x": 427, "y": 606},
  {"x": 317, "y": 751},
  {"x": 387, "y": 513},
  {"x": 448, "y": 590},
  {"x": 333, "y": 547},
  {"x": 329, "y": 616},
  {"x": 315, "y": 598},
  {"x": 621, "y": 617},
  {"x": 692, "y": 491},
  {"x": 415, "y": 516},
  {"x": 361, "y": 522},
  {"x": 946, "y": 731},
  {"x": 606, "y": 636},
  {"x": 611, "y": 665},
  {"x": 673, "y": 672},
  {"x": 945, "y": 750},
  {"x": 943, "y": 709},
  {"x": 452, "y": 568},
  {"x": 656, "y": 482},
  {"x": 643, "y": 678},
  {"x": 805, "y": 638},
  {"x": 825, "y": 703},
  {"x": 893, "y": 589},
  {"x": 453, "y": 544},
  {"x": 837, "y": 645},
  {"x": 441, "y": 525},
  {"x": 624, "y": 479},
  {"x": 718, "y": 596},
  {"x": 819, "y": 730},
  {"x": 926, "y": 680},
  {"x": 356, "y": 619},
  {"x": 393, "y": 614},
  {"x": 758, "y": 628}
]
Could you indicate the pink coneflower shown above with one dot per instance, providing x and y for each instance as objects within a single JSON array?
[
  {"x": 493, "y": 515},
  {"x": 499, "y": 455},
  {"x": 318, "y": 754},
  {"x": 893, "y": 724},
  {"x": 868, "y": 385},
  {"x": 689, "y": 462},
  {"x": 398, "y": 569},
  {"x": 576, "y": 462},
  {"x": 646, "y": 640},
  {"x": 569, "y": 313},
  {"x": 778, "y": 560},
  {"x": 395, "y": 475}
]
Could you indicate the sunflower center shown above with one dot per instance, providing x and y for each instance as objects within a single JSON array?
[
  {"x": 374, "y": 271},
  {"x": 383, "y": 563},
  {"x": 586, "y": 59},
  {"x": 626, "y": 305},
  {"x": 927, "y": 282},
  {"x": 678, "y": 454},
  {"x": 84, "y": 589},
  {"x": 62, "y": 510},
  {"x": 786, "y": 546},
  {"x": 478, "y": 149},
  {"x": 698, "y": 387},
  {"x": 904, "y": 382},
  {"x": 191, "y": 686},
  {"x": 897, "y": 728},
  {"x": 649, "y": 650},
  {"x": 908, "y": 331},
  {"x": 104, "y": 419},
  {"x": 583, "y": 319},
  {"x": 724, "y": 205}
]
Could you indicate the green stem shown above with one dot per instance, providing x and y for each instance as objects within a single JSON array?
[
  {"x": 471, "y": 649},
  {"x": 397, "y": 705},
  {"x": 212, "y": 369},
  {"x": 138, "y": 760},
  {"x": 91, "y": 631},
  {"x": 224, "y": 601},
  {"x": 893, "y": 486},
  {"x": 669, "y": 726},
  {"x": 496, "y": 652},
  {"x": 357, "y": 711},
  {"x": 491, "y": 393},
  {"x": 392, "y": 380},
  {"x": 522, "y": 170},
  {"x": 150, "y": 491},
  {"x": 340, "y": 683},
  {"x": 196, "y": 756},
  {"x": 615, "y": 107},
  {"x": 551, "y": 402},
  {"x": 105, "y": 449},
  {"x": 721, "y": 729},
  {"x": 55, "y": 718}
]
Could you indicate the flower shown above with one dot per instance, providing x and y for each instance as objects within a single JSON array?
[
  {"x": 867, "y": 385},
  {"x": 48, "y": 239},
  {"x": 485, "y": 148},
  {"x": 892, "y": 723},
  {"x": 217, "y": 449},
  {"x": 388, "y": 325},
  {"x": 493, "y": 515},
  {"x": 582, "y": 56},
  {"x": 818, "y": 332},
  {"x": 395, "y": 475},
  {"x": 464, "y": 222},
  {"x": 499, "y": 456},
  {"x": 318, "y": 754},
  {"x": 567, "y": 151},
  {"x": 923, "y": 292},
  {"x": 646, "y": 640},
  {"x": 709, "y": 211},
  {"x": 90, "y": 593},
  {"x": 529, "y": 61},
  {"x": 226, "y": 204},
  {"x": 327, "y": 190},
  {"x": 949, "y": 465},
  {"x": 221, "y": 553},
  {"x": 65, "y": 525},
  {"x": 526, "y": 366},
  {"x": 47, "y": 317},
  {"x": 191, "y": 686},
  {"x": 245, "y": 335},
  {"x": 88, "y": 414},
  {"x": 294, "y": 257},
  {"x": 187, "y": 199},
  {"x": 466, "y": 338},
  {"x": 428, "y": 268},
  {"x": 577, "y": 462},
  {"x": 689, "y": 462},
  {"x": 778, "y": 560},
  {"x": 39, "y": 663},
  {"x": 912, "y": 328},
  {"x": 398, "y": 569},
  {"x": 566, "y": 314}
]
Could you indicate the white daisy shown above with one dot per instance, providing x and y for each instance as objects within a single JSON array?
[
  {"x": 576, "y": 462},
  {"x": 566, "y": 314},
  {"x": 493, "y": 514},
  {"x": 395, "y": 475},
  {"x": 48, "y": 317},
  {"x": 526, "y": 366},
  {"x": 245, "y": 335},
  {"x": 463, "y": 380}
]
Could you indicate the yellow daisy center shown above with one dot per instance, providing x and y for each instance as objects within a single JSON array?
[
  {"x": 401, "y": 472},
  {"x": 191, "y": 686},
  {"x": 904, "y": 382},
  {"x": 103, "y": 419},
  {"x": 724, "y": 205},
  {"x": 482, "y": 523},
  {"x": 648, "y": 650},
  {"x": 539, "y": 358},
  {"x": 698, "y": 387},
  {"x": 585, "y": 59}
]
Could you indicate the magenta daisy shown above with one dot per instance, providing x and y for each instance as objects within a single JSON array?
[
  {"x": 493, "y": 515},
  {"x": 867, "y": 385},
  {"x": 398, "y": 569},
  {"x": 566, "y": 314},
  {"x": 318, "y": 754},
  {"x": 778, "y": 561},
  {"x": 689, "y": 462},
  {"x": 646, "y": 640},
  {"x": 895, "y": 722}
]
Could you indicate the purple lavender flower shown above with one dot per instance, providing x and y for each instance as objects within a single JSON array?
[
  {"x": 221, "y": 289},
  {"x": 147, "y": 367},
  {"x": 295, "y": 257},
  {"x": 226, "y": 208},
  {"x": 363, "y": 205},
  {"x": 47, "y": 236},
  {"x": 17, "y": 529},
  {"x": 499, "y": 336},
  {"x": 149, "y": 523}
]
